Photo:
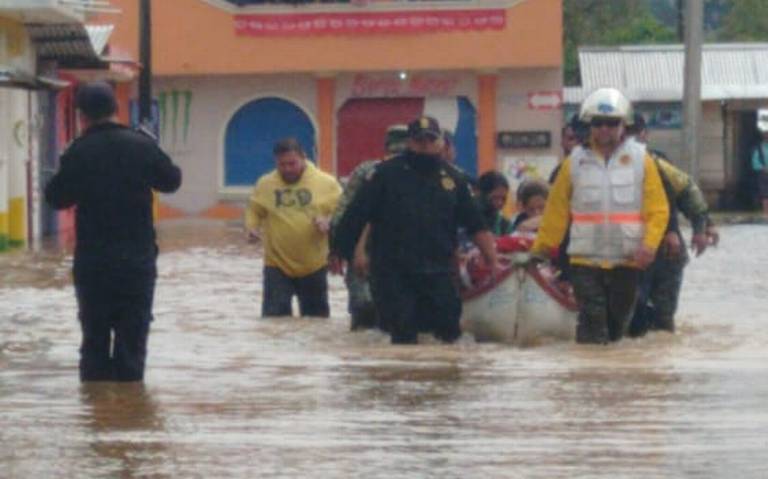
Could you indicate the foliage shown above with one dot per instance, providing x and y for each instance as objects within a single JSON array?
[
  {"x": 604, "y": 23},
  {"x": 746, "y": 21}
]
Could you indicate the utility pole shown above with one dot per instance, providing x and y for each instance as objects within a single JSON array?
[
  {"x": 145, "y": 58},
  {"x": 694, "y": 32}
]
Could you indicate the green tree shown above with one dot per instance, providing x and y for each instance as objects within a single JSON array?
[
  {"x": 605, "y": 23},
  {"x": 746, "y": 21}
]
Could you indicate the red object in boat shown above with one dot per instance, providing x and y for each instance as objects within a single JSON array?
[
  {"x": 545, "y": 275},
  {"x": 513, "y": 244}
]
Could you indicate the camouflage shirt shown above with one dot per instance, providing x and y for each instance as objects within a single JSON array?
[
  {"x": 688, "y": 198},
  {"x": 356, "y": 179}
]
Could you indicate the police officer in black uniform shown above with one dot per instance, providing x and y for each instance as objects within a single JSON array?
[
  {"x": 108, "y": 173},
  {"x": 415, "y": 204}
]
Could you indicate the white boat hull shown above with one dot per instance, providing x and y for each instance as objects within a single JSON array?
[{"x": 517, "y": 310}]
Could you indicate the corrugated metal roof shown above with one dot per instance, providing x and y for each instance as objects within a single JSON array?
[
  {"x": 573, "y": 94},
  {"x": 655, "y": 72},
  {"x": 62, "y": 40},
  {"x": 70, "y": 41}
]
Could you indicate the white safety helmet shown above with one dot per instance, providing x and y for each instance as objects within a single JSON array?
[
  {"x": 762, "y": 120},
  {"x": 606, "y": 102}
]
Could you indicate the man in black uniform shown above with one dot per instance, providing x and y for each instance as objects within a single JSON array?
[
  {"x": 415, "y": 204},
  {"x": 108, "y": 173}
]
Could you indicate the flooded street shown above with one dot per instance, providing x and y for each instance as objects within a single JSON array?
[{"x": 228, "y": 394}]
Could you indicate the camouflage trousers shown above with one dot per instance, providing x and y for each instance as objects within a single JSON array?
[
  {"x": 360, "y": 304},
  {"x": 606, "y": 300},
  {"x": 658, "y": 296}
]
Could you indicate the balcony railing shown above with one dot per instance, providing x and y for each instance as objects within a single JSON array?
[
  {"x": 90, "y": 6},
  {"x": 309, "y": 6},
  {"x": 54, "y": 11}
]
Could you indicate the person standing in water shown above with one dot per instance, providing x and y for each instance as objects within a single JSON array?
[
  {"x": 108, "y": 174},
  {"x": 415, "y": 205},
  {"x": 611, "y": 192},
  {"x": 290, "y": 208}
]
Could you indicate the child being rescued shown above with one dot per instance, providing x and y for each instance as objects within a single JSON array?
[
  {"x": 531, "y": 199},
  {"x": 512, "y": 237}
]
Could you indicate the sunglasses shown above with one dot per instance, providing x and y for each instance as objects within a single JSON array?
[{"x": 609, "y": 122}]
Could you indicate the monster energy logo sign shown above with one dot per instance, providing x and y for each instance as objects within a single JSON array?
[{"x": 174, "y": 106}]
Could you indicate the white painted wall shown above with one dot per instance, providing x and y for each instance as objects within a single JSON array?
[
  {"x": 214, "y": 101},
  {"x": 515, "y": 114},
  {"x": 711, "y": 162},
  {"x": 18, "y": 158}
]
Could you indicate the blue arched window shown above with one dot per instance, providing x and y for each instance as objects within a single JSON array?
[
  {"x": 466, "y": 138},
  {"x": 253, "y": 131}
]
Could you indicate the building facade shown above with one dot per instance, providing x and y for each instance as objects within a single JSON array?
[
  {"x": 734, "y": 87},
  {"x": 24, "y": 137},
  {"x": 232, "y": 77},
  {"x": 38, "y": 39}
]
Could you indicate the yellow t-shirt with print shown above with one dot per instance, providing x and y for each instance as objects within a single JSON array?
[{"x": 285, "y": 214}]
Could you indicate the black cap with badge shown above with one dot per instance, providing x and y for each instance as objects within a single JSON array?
[{"x": 424, "y": 127}]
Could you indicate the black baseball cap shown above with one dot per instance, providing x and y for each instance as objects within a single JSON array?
[
  {"x": 424, "y": 127},
  {"x": 96, "y": 100}
]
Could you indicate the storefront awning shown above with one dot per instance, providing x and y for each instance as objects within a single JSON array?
[
  {"x": 12, "y": 78},
  {"x": 115, "y": 70}
]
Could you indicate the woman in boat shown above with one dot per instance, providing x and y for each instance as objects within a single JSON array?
[{"x": 493, "y": 189}]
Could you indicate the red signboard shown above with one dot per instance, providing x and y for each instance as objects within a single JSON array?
[
  {"x": 545, "y": 100},
  {"x": 369, "y": 22},
  {"x": 416, "y": 85}
]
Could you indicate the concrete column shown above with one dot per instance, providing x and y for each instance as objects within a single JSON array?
[
  {"x": 35, "y": 155},
  {"x": 486, "y": 119},
  {"x": 17, "y": 168},
  {"x": 326, "y": 98},
  {"x": 694, "y": 36},
  {"x": 4, "y": 159}
]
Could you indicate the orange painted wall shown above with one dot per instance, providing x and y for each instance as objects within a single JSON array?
[
  {"x": 191, "y": 37},
  {"x": 325, "y": 114},
  {"x": 486, "y": 123}
]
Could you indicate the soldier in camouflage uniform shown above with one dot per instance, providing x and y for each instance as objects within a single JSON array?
[
  {"x": 660, "y": 286},
  {"x": 360, "y": 304}
]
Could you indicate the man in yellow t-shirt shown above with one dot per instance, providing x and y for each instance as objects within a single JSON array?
[{"x": 290, "y": 208}]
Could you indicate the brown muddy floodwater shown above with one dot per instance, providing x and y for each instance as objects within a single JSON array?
[{"x": 228, "y": 394}]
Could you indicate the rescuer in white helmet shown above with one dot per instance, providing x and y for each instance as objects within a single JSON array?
[{"x": 610, "y": 192}]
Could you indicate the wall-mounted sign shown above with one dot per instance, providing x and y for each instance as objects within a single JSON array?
[
  {"x": 524, "y": 139},
  {"x": 418, "y": 85},
  {"x": 417, "y": 21},
  {"x": 518, "y": 169},
  {"x": 545, "y": 100},
  {"x": 662, "y": 116}
]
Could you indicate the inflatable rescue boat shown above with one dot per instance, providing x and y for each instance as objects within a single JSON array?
[{"x": 522, "y": 305}]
